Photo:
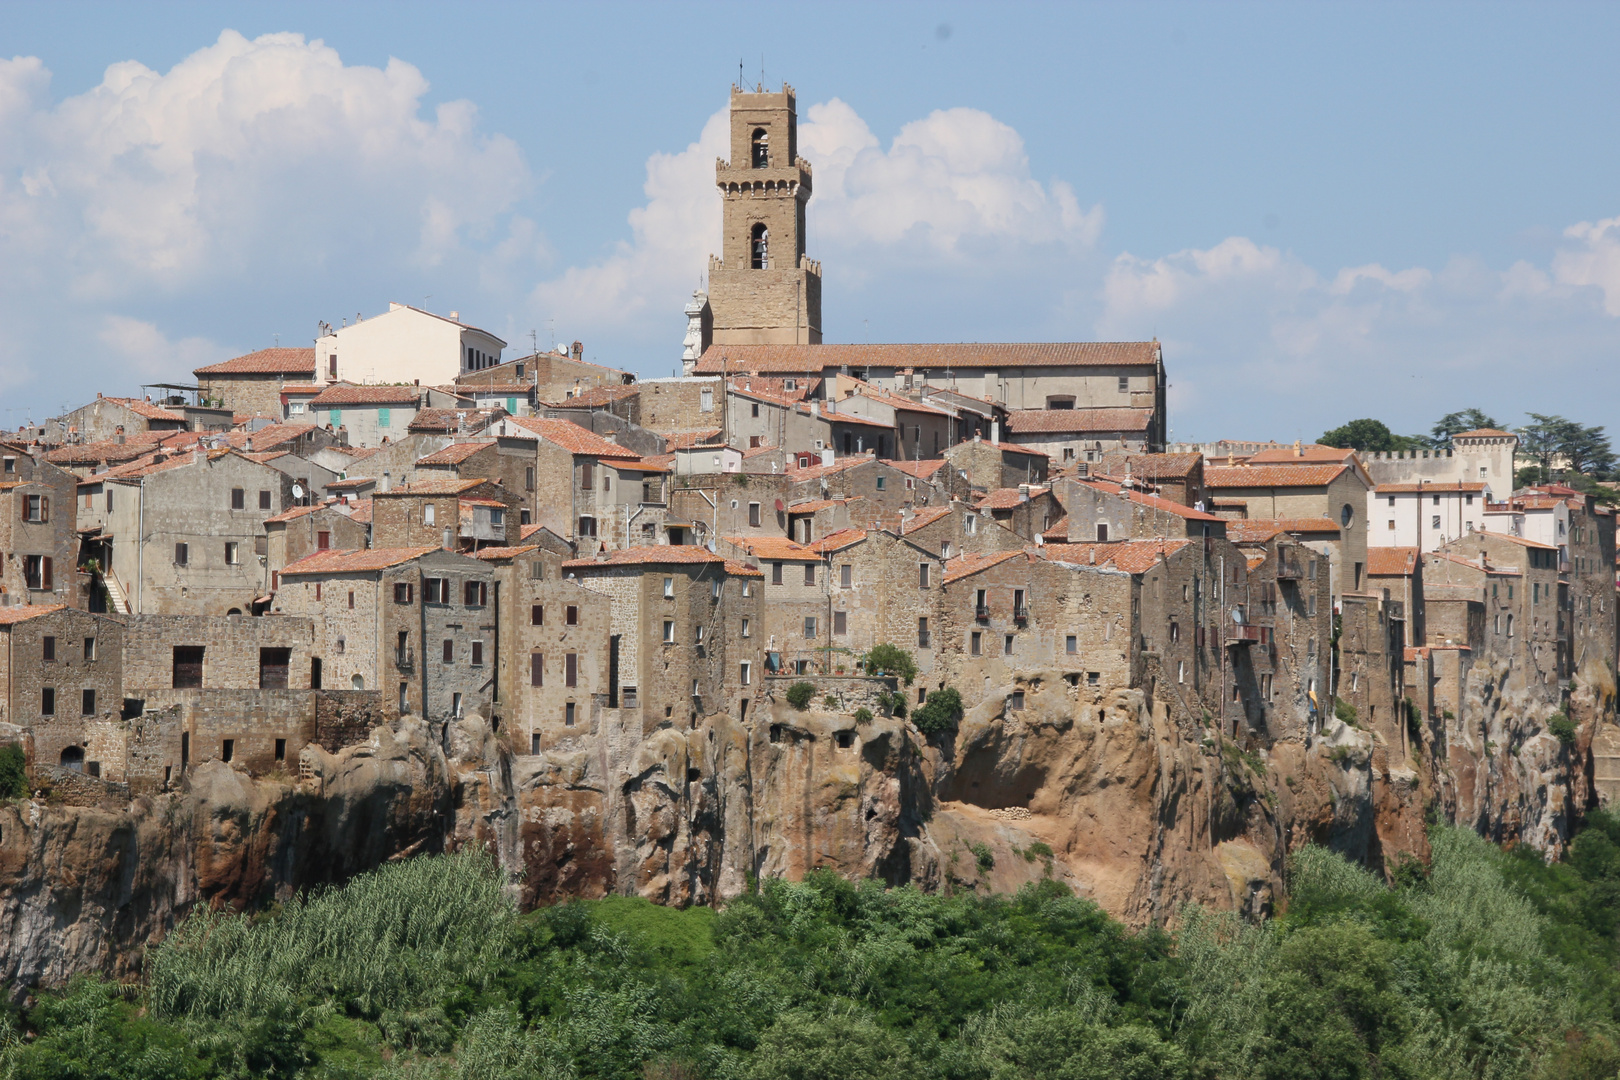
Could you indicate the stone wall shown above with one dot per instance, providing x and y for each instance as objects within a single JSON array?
[
  {"x": 345, "y": 718},
  {"x": 252, "y": 721},
  {"x": 231, "y": 644}
]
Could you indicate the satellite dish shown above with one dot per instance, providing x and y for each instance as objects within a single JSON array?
[
  {"x": 1237, "y": 616},
  {"x": 298, "y": 491},
  {"x": 779, "y": 507}
]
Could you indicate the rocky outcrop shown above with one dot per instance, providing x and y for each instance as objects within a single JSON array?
[{"x": 1102, "y": 791}]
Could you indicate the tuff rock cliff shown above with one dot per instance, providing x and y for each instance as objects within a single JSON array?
[{"x": 1135, "y": 811}]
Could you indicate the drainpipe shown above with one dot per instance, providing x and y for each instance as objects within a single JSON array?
[{"x": 140, "y": 550}]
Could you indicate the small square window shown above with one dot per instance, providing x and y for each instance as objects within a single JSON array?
[
  {"x": 402, "y": 592},
  {"x": 264, "y": 500},
  {"x": 1071, "y": 644},
  {"x": 882, "y": 482},
  {"x": 669, "y": 631},
  {"x": 571, "y": 615},
  {"x": 238, "y": 499}
]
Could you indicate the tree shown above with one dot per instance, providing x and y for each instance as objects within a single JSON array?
[
  {"x": 1454, "y": 422},
  {"x": 890, "y": 660},
  {"x": 1370, "y": 435},
  {"x": 1584, "y": 450},
  {"x": 939, "y": 713}
]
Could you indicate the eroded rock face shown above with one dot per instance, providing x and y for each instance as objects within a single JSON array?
[{"x": 1105, "y": 794}]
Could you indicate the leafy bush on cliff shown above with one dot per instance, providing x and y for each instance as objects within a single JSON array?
[
  {"x": 939, "y": 713},
  {"x": 890, "y": 660},
  {"x": 1489, "y": 964},
  {"x": 13, "y": 772},
  {"x": 799, "y": 695}
]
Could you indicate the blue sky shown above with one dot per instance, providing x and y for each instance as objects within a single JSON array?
[{"x": 1324, "y": 211}]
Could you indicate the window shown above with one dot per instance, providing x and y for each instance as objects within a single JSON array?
[
  {"x": 1437, "y": 499},
  {"x": 1510, "y": 626},
  {"x": 568, "y": 715},
  {"x": 840, "y": 622},
  {"x": 1007, "y": 645},
  {"x": 230, "y": 553},
  {"x": 971, "y": 524},
  {"x": 759, "y": 247},
  {"x": 182, "y": 554},
  {"x": 571, "y": 615},
  {"x": 528, "y": 478},
  {"x": 882, "y": 482},
  {"x": 845, "y": 576},
  {"x": 1124, "y": 384},
  {"x": 11, "y": 465},
  {"x": 975, "y": 643},
  {"x": 1392, "y": 500},
  {"x": 449, "y": 651},
  {"x": 1181, "y": 671},
  {"x": 427, "y": 514},
  {"x": 89, "y": 648},
  {"x": 746, "y": 673},
  {"x": 341, "y": 645},
  {"x": 1102, "y": 532},
  {"x": 761, "y": 145},
  {"x": 922, "y": 575},
  {"x": 351, "y": 599},
  {"x": 537, "y": 669},
  {"x": 402, "y": 592},
  {"x": 537, "y": 615},
  {"x": 227, "y": 749},
  {"x": 748, "y": 588},
  {"x": 1468, "y": 500},
  {"x": 1434, "y": 521},
  {"x": 1391, "y": 525},
  {"x": 715, "y": 590},
  {"x": 1175, "y": 632},
  {"x": 669, "y": 588},
  {"x": 537, "y": 571},
  {"x": 435, "y": 590},
  {"x": 109, "y": 500},
  {"x": 706, "y": 404},
  {"x": 1347, "y": 514},
  {"x": 475, "y": 593},
  {"x": 922, "y": 632},
  {"x": 238, "y": 499},
  {"x": 455, "y": 704},
  {"x": 587, "y": 475},
  {"x": 264, "y": 500},
  {"x": 187, "y": 667},
  {"x": 47, "y": 701},
  {"x": 1071, "y": 644},
  {"x": 274, "y": 665},
  {"x": 1015, "y": 701},
  {"x": 754, "y": 414},
  {"x": 323, "y": 541},
  {"x": 810, "y": 626},
  {"x": 478, "y": 654},
  {"x": 587, "y": 526},
  {"x": 746, "y": 628},
  {"x": 49, "y": 648},
  {"x": 281, "y": 749},
  {"x": 776, "y": 573},
  {"x": 384, "y": 417},
  {"x": 753, "y": 515},
  {"x": 809, "y": 573},
  {"x": 669, "y": 632}
]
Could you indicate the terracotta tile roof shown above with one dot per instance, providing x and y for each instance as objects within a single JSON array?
[
  {"x": 269, "y": 436},
  {"x": 1131, "y": 556},
  {"x": 1058, "y": 532},
  {"x": 295, "y": 513},
  {"x": 454, "y": 454},
  {"x": 804, "y": 386},
  {"x": 527, "y": 531},
  {"x": 505, "y": 552},
  {"x": 351, "y": 482},
  {"x": 1313, "y": 454},
  {"x": 660, "y": 462},
  {"x": 660, "y": 555},
  {"x": 652, "y": 464},
  {"x": 812, "y": 506},
  {"x": 815, "y": 472},
  {"x": 1259, "y": 530},
  {"x": 1007, "y": 448},
  {"x": 1242, "y": 476},
  {"x": 1481, "y": 433},
  {"x": 300, "y": 389},
  {"x": 681, "y": 440},
  {"x": 737, "y": 569},
  {"x": 445, "y": 420},
  {"x": 572, "y": 437},
  {"x": 24, "y": 612},
  {"x": 797, "y": 359},
  {"x": 1062, "y": 421},
  {"x": 837, "y": 541},
  {"x": 597, "y": 397},
  {"x": 1255, "y": 559},
  {"x": 1006, "y": 498},
  {"x": 360, "y": 511},
  {"x": 772, "y": 548},
  {"x": 341, "y": 394},
  {"x": 967, "y": 565},
  {"x": 922, "y": 470},
  {"x": 137, "y": 444},
  {"x": 770, "y": 397},
  {"x": 1461, "y": 486},
  {"x": 355, "y": 562},
  {"x": 851, "y": 418},
  {"x": 1391, "y": 561},
  {"x": 1152, "y": 466},
  {"x": 502, "y": 389},
  {"x": 285, "y": 361},
  {"x": 446, "y": 486},
  {"x": 895, "y": 401},
  {"x": 146, "y": 409},
  {"x": 1521, "y": 541},
  {"x": 482, "y": 502},
  {"x": 901, "y": 526},
  {"x": 1152, "y": 502},
  {"x": 1446, "y": 556}
]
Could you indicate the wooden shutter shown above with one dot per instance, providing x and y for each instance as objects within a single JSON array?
[{"x": 537, "y": 669}]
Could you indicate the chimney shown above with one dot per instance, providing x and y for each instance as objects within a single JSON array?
[
  {"x": 1298, "y": 451},
  {"x": 1023, "y": 493},
  {"x": 976, "y": 436},
  {"x": 995, "y": 431},
  {"x": 455, "y": 316},
  {"x": 447, "y": 538},
  {"x": 577, "y": 351},
  {"x": 118, "y": 432},
  {"x": 249, "y": 444}
]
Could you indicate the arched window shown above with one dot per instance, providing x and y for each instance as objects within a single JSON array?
[
  {"x": 760, "y": 247},
  {"x": 1346, "y": 515},
  {"x": 358, "y": 682},
  {"x": 762, "y": 148},
  {"x": 73, "y": 758}
]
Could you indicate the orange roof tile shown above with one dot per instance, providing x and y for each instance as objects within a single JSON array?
[
  {"x": 355, "y": 562},
  {"x": 738, "y": 569},
  {"x": 1313, "y": 454},
  {"x": 660, "y": 555},
  {"x": 24, "y": 612},
  {"x": 146, "y": 409},
  {"x": 901, "y": 525},
  {"x": 681, "y": 440},
  {"x": 572, "y": 437},
  {"x": 967, "y": 565},
  {"x": 455, "y": 453},
  {"x": 597, "y": 397},
  {"x": 280, "y": 361},
  {"x": 816, "y": 471},
  {"x": 1258, "y": 530},
  {"x": 1152, "y": 466},
  {"x": 1243, "y": 476},
  {"x": 269, "y": 436},
  {"x": 341, "y": 394},
  {"x": 1481, "y": 433},
  {"x": 922, "y": 470},
  {"x": 450, "y": 420},
  {"x": 296, "y": 512},
  {"x": 446, "y": 486},
  {"x": 773, "y": 548},
  {"x": 798, "y": 359},
  {"x": 505, "y": 552},
  {"x": 1130, "y": 556},
  {"x": 1462, "y": 486},
  {"x": 1391, "y": 561},
  {"x": 1006, "y": 498},
  {"x": 360, "y": 511},
  {"x": 837, "y": 541}
]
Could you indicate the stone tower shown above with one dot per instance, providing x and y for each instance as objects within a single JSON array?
[{"x": 762, "y": 289}]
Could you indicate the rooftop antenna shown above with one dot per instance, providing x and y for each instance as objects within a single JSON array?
[
  {"x": 740, "y": 83},
  {"x": 278, "y": 340},
  {"x": 762, "y": 73},
  {"x": 534, "y": 342}
]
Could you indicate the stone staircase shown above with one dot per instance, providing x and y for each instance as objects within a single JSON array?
[{"x": 115, "y": 594}]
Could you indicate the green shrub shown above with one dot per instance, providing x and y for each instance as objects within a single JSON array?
[
  {"x": 799, "y": 695},
  {"x": 890, "y": 660},
  {"x": 1563, "y": 727},
  {"x": 863, "y": 715},
  {"x": 13, "y": 772},
  {"x": 982, "y": 855},
  {"x": 1040, "y": 849},
  {"x": 939, "y": 713},
  {"x": 829, "y": 702},
  {"x": 1345, "y": 711}
]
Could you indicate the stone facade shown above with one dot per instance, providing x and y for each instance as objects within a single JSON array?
[
  {"x": 37, "y": 522},
  {"x": 59, "y": 667}
]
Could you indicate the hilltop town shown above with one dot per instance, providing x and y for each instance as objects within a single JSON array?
[{"x": 953, "y": 614}]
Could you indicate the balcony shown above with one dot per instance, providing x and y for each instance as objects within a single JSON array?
[
  {"x": 1290, "y": 567},
  {"x": 405, "y": 661},
  {"x": 1021, "y": 614},
  {"x": 981, "y": 612},
  {"x": 1245, "y": 634}
]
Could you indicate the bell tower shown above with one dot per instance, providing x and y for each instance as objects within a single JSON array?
[{"x": 762, "y": 288}]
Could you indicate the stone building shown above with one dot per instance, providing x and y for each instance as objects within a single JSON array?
[
  {"x": 184, "y": 534},
  {"x": 38, "y": 545},
  {"x": 762, "y": 287},
  {"x": 1485, "y": 456},
  {"x": 61, "y": 670},
  {"x": 304, "y": 530},
  {"x": 1425, "y": 515},
  {"x": 509, "y": 462},
  {"x": 106, "y": 418},
  {"x": 1177, "y": 477},
  {"x": 1099, "y": 511},
  {"x": 251, "y": 385},
  {"x": 1335, "y": 492},
  {"x": 1396, "y": 575},
  {"x": 1372, "y": 667},
  {"x": 685, "y": 621},
  {"x": 1068, "y": 434},
  {"x": 419, "y": 625},
  {"x": 563, "y": 654},
  {"x": 372, "y": 415},
  {"x": 798, "y": 624},
  {"x": 988, "y": 465},
  {"x": 903, "y": 429},
  {"x": 1500, "y": 596},
  {"x": 452, "y": 514}
]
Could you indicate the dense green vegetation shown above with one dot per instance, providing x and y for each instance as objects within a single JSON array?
[{"x": 1483, "y": 965}]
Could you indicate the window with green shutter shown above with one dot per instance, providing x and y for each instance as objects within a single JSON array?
[
  {"x": 511, "y": 405},
  {"x": 382, "y": 417},
  {"x": 335, "y": 418}
]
